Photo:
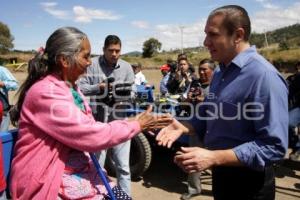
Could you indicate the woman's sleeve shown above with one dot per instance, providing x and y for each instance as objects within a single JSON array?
[{"x": 54, "y": 112}]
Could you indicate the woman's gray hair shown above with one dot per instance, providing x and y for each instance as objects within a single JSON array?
[{"x": 65, "y": 41}]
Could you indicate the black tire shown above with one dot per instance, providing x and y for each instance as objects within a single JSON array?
[{"x": 140, "y": 156}]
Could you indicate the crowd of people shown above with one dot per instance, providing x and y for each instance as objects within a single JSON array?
[{"x": 239, "y": 128}]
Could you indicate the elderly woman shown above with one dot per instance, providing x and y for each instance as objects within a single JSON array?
[{"x": 57, "y": 129}]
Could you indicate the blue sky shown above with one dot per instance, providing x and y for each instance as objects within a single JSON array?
[{"x": 134, "y": 21}]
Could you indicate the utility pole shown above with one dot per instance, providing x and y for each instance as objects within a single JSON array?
[
  {"x": 181, "y": 31},
  {"x": 200, "y": 44},
  {"x": 266, "y": 39}
]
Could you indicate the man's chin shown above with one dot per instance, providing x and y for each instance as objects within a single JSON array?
[
  {"x": 113, "y": 62},
  {"x": 213, "y": 55}
]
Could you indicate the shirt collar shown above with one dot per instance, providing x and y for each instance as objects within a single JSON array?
[
  {"x": 103, "y": 62},
  {"x": 243, "y": 57}
]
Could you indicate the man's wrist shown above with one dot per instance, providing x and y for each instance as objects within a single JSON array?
[{"x": 225, "y": 158}]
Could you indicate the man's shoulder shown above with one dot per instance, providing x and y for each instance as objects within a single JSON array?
[
  {"x": 259, "y": 65},
  {"x": 95, "y": 65},
  {"x": 124, "y": 67},
  {"x": 95, "y": 61},
  {"x": 124, "y": 63},
  {"x": 261, "y": 69}
]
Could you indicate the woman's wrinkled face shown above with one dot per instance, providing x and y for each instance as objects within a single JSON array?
[{"x": 82, "y": 61}]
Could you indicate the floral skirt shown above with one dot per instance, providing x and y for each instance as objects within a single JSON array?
[{"x": 81, "y": 181}]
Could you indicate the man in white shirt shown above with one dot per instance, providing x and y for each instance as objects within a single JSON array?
[{"x": 139, "y": 76}]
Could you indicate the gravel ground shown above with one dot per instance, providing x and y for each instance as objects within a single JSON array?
[{"x": 164, "y": 180}]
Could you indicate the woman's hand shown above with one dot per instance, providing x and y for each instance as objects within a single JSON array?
[
  {"x": 149, "y": 122},
  {"x": 171, "y": 133}
]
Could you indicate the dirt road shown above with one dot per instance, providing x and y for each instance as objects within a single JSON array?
[{"x": 164, "y": 180}]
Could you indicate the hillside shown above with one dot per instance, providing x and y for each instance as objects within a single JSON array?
[
  {"x": 289, "y": 35},
  {"x": 283, "y": 50}
]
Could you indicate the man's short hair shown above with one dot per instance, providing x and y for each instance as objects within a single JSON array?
[
  {"x": 111, "y": 39},
  {"x": 136, "y": 65},
  {"x": 181, "y": 56},
  {"x": 234, "y": 17},
  {"x": 211, "y": 63}
]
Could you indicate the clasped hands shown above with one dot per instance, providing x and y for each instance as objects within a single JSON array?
[
  {"x": 170, "y": 128},
  {"x": 190, "y": 159},
  {"x": 150, "y": 122}
]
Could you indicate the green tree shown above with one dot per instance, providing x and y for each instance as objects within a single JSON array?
[
  {"x": 150, "y": 47},
  {"x": 6, "y": 38},
  {"x": 257, "y": 40},
  {"x": 283, "y": 45}
]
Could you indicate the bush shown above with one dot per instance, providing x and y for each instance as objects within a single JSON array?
[{"x": 283, "y": 45}]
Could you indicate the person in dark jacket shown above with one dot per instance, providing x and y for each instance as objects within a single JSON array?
[
  {"x": 182, "y": 77},
  {"x": 294, "y": 113}
]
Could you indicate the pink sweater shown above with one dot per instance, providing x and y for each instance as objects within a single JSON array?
[{"x": 50, "y": 126}]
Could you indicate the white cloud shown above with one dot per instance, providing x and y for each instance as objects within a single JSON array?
[
  {"x": 170, "y": 36},
  {"x": 50, "y": 7},
  {"x": 270, "y": 6},
  {"x": 80, "y": 13},
  {"x": 275, "y": 17},
  {"x": 140, "y": 24},
  {"x": 134, "y": 44},
  {"x": 267, "y": 4},
  {"x": 49, "y": 4},
  {"x": 270, "y": 18},
  {"x": 86, "y": 15}
]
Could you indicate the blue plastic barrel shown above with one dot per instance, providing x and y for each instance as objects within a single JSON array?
[{"x": 8, "y": 141}]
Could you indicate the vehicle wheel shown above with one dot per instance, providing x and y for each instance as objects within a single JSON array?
[{"x": 140, "y": 156}]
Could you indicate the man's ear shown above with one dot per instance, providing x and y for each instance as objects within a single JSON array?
[{"x": 239, "y": 35}]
